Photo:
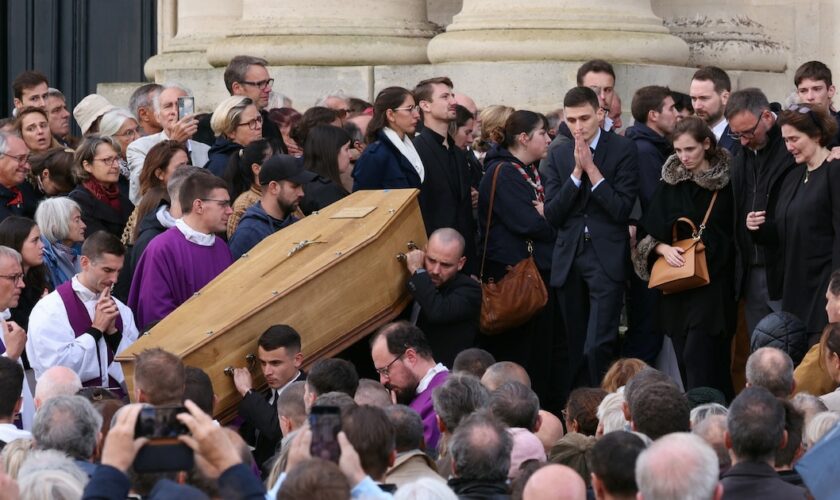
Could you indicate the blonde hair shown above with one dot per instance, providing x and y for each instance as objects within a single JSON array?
[
  {"x": 493, "y": 120},
  {"x": 14, "y": 454},
  {"x": 226, "y": 116}
]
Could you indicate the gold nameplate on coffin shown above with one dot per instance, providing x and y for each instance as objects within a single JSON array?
[{"x": 333, "y": 276}]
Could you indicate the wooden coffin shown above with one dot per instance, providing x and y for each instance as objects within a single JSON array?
[{"x": 335, "y": 290}]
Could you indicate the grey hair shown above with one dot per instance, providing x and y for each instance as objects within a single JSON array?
[
  {"x": 772, "y": 369},
  {"x": 227, "y": 115},
  {"x": 237, "y": 67},
  {"x": 749, "y": 99},
  {"x": 480, "y": 448},
  {"x": 168, "y": 85},
  {"x": 808, "y": 405},
  {"x": 611, "y": 413},
  {"x": 51, "y": 475},
  {"x": 819, "y": 427},
  {"x": 425, "y": 488},
  {"x": 143, "y": 96},
  {"x": 53, "y": 217},
  {"x": 67, "y": 423},
  {"x": 460, "y": 395},
  {"x": 113, "y": 120},
  {"x": 699, "y": 413},
  {"x": 11, "y": 253},
  {"x": 408, "y": 427},
  {"x": 338, "y": 94},
  {"x": 86, "y": 151},
  {"x": 51, "y": 92},
  {"x": 678, "y": 465},
  {"x": 4, "y": 142}
]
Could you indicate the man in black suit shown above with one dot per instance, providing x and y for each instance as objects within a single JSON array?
[
  {"x": 447, "y": 303},
  {"x": 279, "y": 356},
  {"x": 591, "y": 186},
  {"x": 445, "y": 199}
]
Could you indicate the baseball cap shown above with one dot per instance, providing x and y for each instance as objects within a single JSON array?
[{"x": 283, "y": 168}]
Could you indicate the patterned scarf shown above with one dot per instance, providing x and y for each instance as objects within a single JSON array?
[{"x": 107, "y": 195}]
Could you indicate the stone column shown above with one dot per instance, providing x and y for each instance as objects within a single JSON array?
[
  {"x": 558, "y": 30},
  {"x": 186, "y": 28},
  {"x": 723, "y": 33},
  {"x": 328, "y": 33}
]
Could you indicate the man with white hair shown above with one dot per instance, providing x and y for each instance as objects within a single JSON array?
[
  {"x": 175, "y": 128},
  {"x": 679, "y": 465},
  {"x": 543, "y": 484},
  {"x": 56, "y": 381},
  {"x": 338, "y": 101}
]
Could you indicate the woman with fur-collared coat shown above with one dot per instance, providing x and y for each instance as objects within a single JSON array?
[{"x": 699, "y": 321}]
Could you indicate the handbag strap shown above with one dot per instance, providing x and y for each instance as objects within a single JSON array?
[
  {"x": 695, "y": 233},
  {"x": 489, "y": 216}
]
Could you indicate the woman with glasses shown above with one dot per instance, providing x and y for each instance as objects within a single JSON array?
[
  {"x": 121, "y": 125},
  {"x": 62, "y": 232},
  {"x": 97, "y": 171},
  {"x": 52, "y": 172},
  {"x": 32, "y": 125},
  {"x": 327, "y": 154},
  {"x": 237, "y": 122},
  {"x": 804, "y": 224},
  {"x": 23, "y": 235},
  {"x": 390, "y": 161}
]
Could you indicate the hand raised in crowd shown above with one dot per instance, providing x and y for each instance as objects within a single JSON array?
[
  {"x": 673, "y": 255},
  {"x": 299, "y": 449},
  {"x": 15, "y": 340},
  {"x": 121, "y": 446},
  {"x": 756, "y": 219},
  {"x": 105, "y": 313},
  {"x": 183, "y": 129},
  {"x": 414, "y": 260},
  {"x": 208, "y": 439},
  {"x": 242, "y": 380}
]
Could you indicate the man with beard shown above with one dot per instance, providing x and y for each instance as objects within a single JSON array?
[
  {"x": 709, "y": 91},
  {"x": 403, "y": 359},
  {"x": 281, "y": 179}
]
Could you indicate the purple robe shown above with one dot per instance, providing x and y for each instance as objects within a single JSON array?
[
  {"x": 170, "y": 271},
  {"x": 422, "y": 404}
]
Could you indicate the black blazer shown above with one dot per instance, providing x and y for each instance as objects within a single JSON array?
[
  {"x": 757, "y": 480},
  {"x": 99, "y": 216},
  {"x": 605, "y": 211},
  {"x": 448, "y": 315}
]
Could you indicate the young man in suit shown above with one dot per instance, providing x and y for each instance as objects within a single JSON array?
[{"x": 590, "y": 190}]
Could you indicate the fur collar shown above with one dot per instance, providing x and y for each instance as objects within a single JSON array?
[{"x": 716, "y": 177}]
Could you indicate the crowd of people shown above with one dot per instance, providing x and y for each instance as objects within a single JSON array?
[{"x": 613, "y": 389}]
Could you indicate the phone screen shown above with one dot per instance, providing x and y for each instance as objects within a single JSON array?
[
  {"x": 160, "y": 422},
  {"x": 186, "y": 106},
  {"x": 325, "y": 423}
]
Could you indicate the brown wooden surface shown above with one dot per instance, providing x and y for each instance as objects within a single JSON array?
[{"x": 333, "y": 292}]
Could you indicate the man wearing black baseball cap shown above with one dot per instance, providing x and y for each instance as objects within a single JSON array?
[{"x": 281, "y": 180}]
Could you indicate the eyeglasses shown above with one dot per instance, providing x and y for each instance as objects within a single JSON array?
[
  {"x": 110, "y": 160},
  {"x": 132, "y": 132},
  {"x": 14, "y": 278},
  {"x": 222, "y": 203},
  {"x": 260, "y": 84},
  {"x": 385, "y": 371},
  {"x": 254, "y": 124},
  {"x": 411, "y": 109},
  {"x": 21, "y": 159},
  {"x": 748, "y": 134}
]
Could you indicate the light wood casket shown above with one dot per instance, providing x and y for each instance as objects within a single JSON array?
[{"x": 333, "y": 291}]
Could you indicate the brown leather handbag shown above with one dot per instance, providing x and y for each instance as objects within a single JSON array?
[
  {"x": 694, "y": 273},
  {"x": 515, "y": 298}
]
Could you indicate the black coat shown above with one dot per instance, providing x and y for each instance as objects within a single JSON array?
[
  {"x": 320, "y": 192},
  {"x": 605, "y": 211},
  {"x": 653, "y": 149},
  {"x": 748, "y": 480},
  {"x": 448, "y": 315},
  {"x": 515, "y": 220},
  {"x": 31, "y": 197},
  {"x": 270, "y": 131},
  {"x": 219, "y": 155},
  {"x": 383, "y": 166},
  {"x": 148, "y": 228},
  {"x": 99, "y": 216}
]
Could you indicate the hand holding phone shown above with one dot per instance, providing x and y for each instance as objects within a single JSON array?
[
  {"x": 325, "y": 423},
  {"x": 160, "y": 422},
  {"x": 186, "y": 106}
]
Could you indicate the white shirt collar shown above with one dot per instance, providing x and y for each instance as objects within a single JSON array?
[
  {"x": 278, "y": 392},
  {"x": 608, "y": 123},
  {"x": 5, "y": 314},
  {"x": 427, "y": 378},
  {"x": 719, "y": 128},
  {"x": 205, "y": 240},
  {"x": 82, "y": 291},
  {"x": 164, "y": 217},
  {"x": 594, "y": 143}
]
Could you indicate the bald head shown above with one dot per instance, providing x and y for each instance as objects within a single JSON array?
[
  {"x": 467, "y": 102},
  {"x": 56, "y": 381},
  {"x": 447, "y": 236},
  {"x": 543, "y": 484},
  {"x": 503, "y": 372},
  {"x": 772, "y": 369},
  {"x": 679, "y": 465}
]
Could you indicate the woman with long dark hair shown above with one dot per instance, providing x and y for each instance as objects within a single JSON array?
[
  {"x": 391, "y": 161},
  {"x": 23, "y": 235},
  {"x": 242, "y": 175},
  {"x": 326, "y": 154}
]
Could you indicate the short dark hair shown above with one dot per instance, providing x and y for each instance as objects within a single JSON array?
[
  {"x": 794, "y": 425},
  {"x": 474, "y": 361},
  {"x": 581, "y": 96},
  {"x": 613, "y": 460},
  {"x": 811, "y": 121},
  {"x": 457, "y": 397},
  {"x": 372, "y": 435},
  {"x": 402, "y": 335},
  {"x": 660, "y": 409},
  {"x": 682, "y": 101},
  {"x": 100, "y": 243},
  {"x": 11, "y": 383},
  {"x": 27, "y": 80},
  {"x": 480, "y": 448},
  {"x": 750, "y": 99},
  {"x": 160, "y": 375},
  {"x": 642, "y": 379},
  {"x": 277, "y": 336},
  {"x": 516, "y": 405},
  {"x": 408, "y": 427},
  {"x": 198, "y": 388},
  {"x": 717, "y": 76},
  {"x": 756, "y": 424},
  {"x": 198, "y": 186},
  {"x": 315, "y": 478},
  {"x": 423, "y": 90},
  {"x": 834, "y": 283},
  {"x": 647, "y": 99},
  {"x": 582, "y": 407},
  {"x": 311, "y": 118},
  {"x": 333, "y": 374},
  {"x": 237, "y": 67},
  {"x": 813, "y": 70},
  {"x": 594, "y": 66}
]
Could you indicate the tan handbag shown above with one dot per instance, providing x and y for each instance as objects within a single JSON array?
[
  {"x": 519, "y": 295},
  {"x": 694, "y": 273}
]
